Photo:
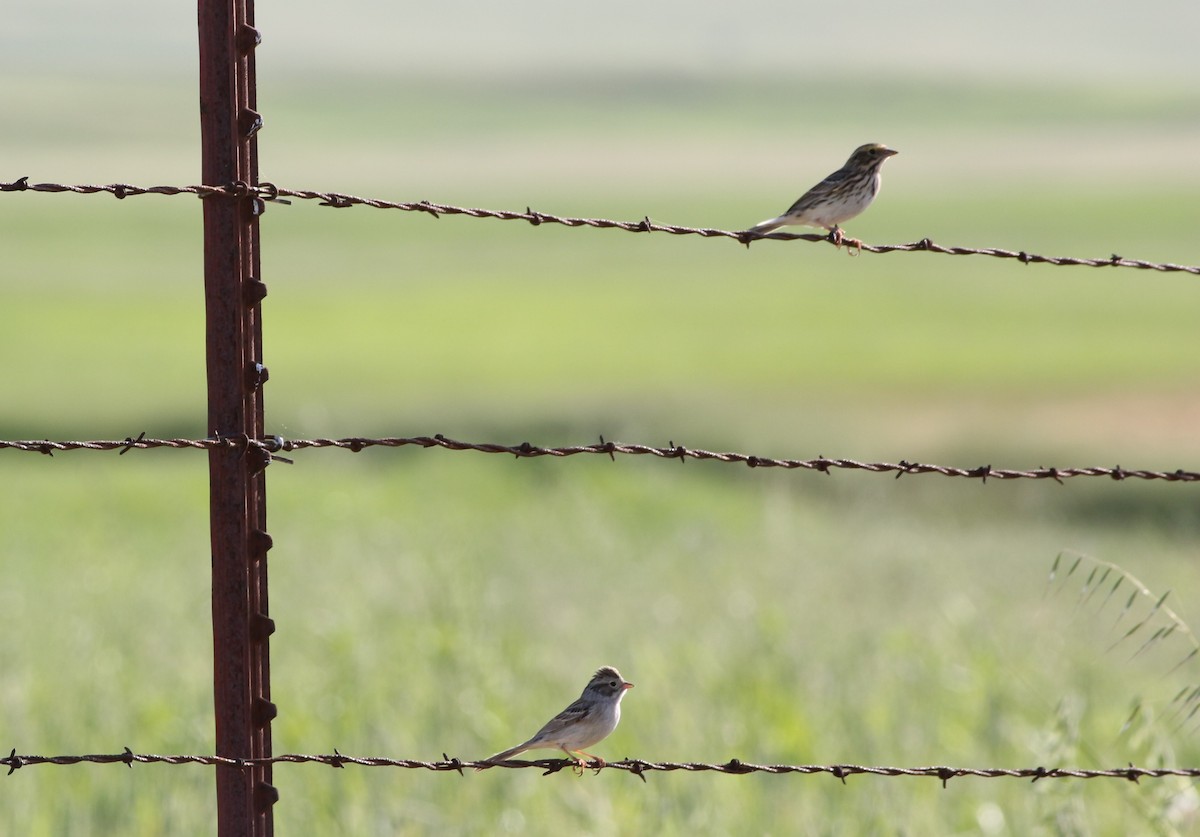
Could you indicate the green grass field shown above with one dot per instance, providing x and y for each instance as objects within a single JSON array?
[{"x": 431, "y": 602}]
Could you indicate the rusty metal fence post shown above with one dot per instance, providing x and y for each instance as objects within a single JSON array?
[{"x": 233, "y": 292}]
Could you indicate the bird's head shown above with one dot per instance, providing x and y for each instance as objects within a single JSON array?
[{"x": 870, "y": 155}]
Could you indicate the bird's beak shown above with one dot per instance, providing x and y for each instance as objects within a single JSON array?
[
  {"x": 889, "y": 152},
  {"x": 625, "y": 686}
]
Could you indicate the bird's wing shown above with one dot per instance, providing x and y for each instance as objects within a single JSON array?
[
  {"x": 820, "y": 189},
  {"x": 566, "y": 719}
]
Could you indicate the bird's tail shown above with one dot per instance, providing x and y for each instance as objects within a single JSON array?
[
  {"x": 764, "y": 227},
  {"x": 507, "y": 754}
]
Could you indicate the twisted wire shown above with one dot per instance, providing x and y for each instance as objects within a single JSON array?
[
  {"x": 272, "y": 448},
  {"x": 638, "y": 767},
  {"x": 270, "y": 192}
]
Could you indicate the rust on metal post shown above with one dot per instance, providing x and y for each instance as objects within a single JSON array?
[{"x": 233, "y": 291}]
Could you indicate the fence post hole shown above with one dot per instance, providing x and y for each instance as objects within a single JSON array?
[{"x": 233, "y": 291}]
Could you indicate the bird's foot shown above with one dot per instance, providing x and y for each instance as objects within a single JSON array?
[{"x": 838, "y": 238}]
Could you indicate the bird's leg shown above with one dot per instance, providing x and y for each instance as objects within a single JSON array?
[
  {"x": 582, "y": 763},
  {"x": 577, "y": 764},
  {"x": 835, "y": 235}
]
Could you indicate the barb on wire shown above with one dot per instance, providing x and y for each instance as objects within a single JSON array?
[
  {"x": 272, "y": 446},
  {"x": 638, "y": 767},
  {"x": 269, "y": 192}
]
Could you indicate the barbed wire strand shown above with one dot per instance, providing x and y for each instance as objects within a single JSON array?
[
  {"x": 271, "y": 192},
  {"x": 272, "y": 447},
  {"x": 638, "y": 767}
]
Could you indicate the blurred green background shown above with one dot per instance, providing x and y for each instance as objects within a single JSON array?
[{"x": 431, "y": 602}]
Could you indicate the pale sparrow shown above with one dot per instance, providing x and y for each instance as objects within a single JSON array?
[
  {"x": 585, "y": 722},
  {"x": 839, "y": 197}
]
